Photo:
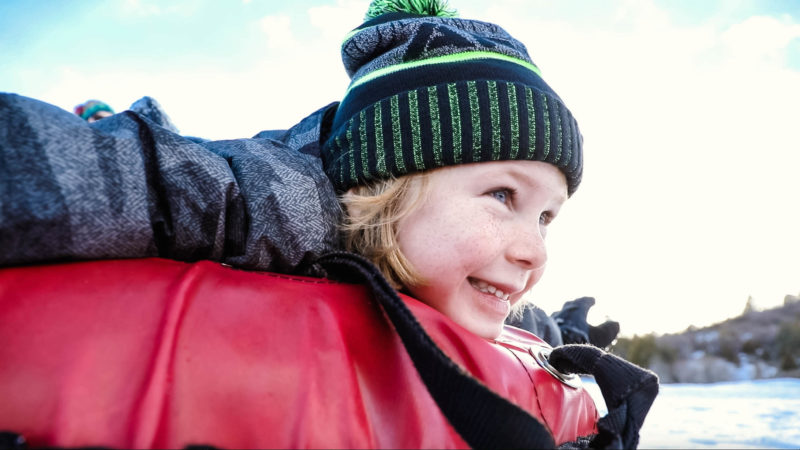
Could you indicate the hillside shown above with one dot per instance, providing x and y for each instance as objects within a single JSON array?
[{"x": 754, "y": 345}]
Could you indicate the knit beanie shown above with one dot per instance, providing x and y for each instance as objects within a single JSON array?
[
  {"x": 430, "y": 90},
  {"x": 90, "y": 108}
]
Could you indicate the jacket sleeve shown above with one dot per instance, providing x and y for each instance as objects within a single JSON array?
[{"x": 125, "y": 187}]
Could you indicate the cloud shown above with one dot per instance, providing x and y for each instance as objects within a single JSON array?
[
  {"x": 145, "y": 8},
  {"x": 277, "y": 29},
  {"x": 334, "y": 21},
  {"x": 761, "y": 40},
  {"x": 141, "y": 8}
]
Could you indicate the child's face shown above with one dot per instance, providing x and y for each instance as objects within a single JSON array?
[
  {"x": 99, "y": 115},
  {"x": 479, "y": 234}
]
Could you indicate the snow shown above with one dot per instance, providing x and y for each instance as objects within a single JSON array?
[{"x": 742, "y": 414}]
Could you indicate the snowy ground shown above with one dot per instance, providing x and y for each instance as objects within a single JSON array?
[{"x": 745, "y": 414}]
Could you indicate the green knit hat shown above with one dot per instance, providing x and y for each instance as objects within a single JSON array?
[{"x": 431, "y": 90}]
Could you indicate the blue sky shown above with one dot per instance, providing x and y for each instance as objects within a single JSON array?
[
  {"x": 688, "y": 110},
  {"x": 185, "y": 32}
]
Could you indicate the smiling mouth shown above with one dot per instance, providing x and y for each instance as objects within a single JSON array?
[{"x": 487, "y": 288}]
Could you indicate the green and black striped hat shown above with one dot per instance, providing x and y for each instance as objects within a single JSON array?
[{"x": 430, "y": 90}]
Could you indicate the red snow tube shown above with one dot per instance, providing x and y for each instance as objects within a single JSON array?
[{"x": 149, "y": 353}]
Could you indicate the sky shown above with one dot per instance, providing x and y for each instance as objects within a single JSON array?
[{"x": 689, "y": 112}]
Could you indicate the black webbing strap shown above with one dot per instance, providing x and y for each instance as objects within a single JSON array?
[
  {"x": 482, "y": 418},
  {"x": 628, "y": 390}
]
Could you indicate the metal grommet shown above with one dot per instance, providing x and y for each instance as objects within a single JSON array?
[{"x": 542, "y": 357}]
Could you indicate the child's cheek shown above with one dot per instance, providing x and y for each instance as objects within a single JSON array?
[{"x": 481, "y": 236}]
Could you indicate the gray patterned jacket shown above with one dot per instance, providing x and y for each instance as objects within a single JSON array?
[{"x": 128, "y": 186}]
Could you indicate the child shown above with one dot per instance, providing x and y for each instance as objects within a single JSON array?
[
  {"x": 453, "y": 157},
  {"x": 93, "y": 110},
  {"x": 430, "y": 97}
]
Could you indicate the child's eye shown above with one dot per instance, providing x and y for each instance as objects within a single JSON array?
[{"x": 503, "y": 195}]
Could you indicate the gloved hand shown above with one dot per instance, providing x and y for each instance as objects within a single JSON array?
[{"x": 628, "y": 390}]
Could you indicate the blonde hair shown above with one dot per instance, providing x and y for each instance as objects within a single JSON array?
[{"x": 371, "y": 216}]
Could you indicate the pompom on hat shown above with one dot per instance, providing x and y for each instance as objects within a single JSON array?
[
  {"x": 430, "y": 90},
  {"x": 90, "y": 108}
]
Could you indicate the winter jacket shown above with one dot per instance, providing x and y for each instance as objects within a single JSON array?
[{"x": 126, "y": 187}]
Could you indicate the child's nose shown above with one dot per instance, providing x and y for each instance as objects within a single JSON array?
[{"x": 527, "y": 248}]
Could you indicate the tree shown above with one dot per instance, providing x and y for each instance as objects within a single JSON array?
[{"x": 748, "y": 307}]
